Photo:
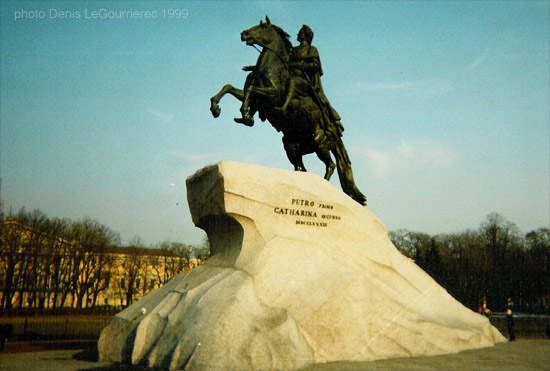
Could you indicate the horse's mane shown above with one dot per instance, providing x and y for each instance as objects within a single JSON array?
[{"x": 284, "y": 36}]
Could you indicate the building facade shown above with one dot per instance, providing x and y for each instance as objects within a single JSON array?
[{"x": 42, "y": 270}]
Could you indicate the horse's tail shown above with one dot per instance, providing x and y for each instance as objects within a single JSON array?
[{"x": 345, "y": 173}]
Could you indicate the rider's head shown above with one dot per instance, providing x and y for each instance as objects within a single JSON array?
[{"x": 307, "y": 33}]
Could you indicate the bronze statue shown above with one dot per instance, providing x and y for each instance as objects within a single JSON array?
[
  {"x": 305, "y": 80},
  {"x": 284, "y": 87}
]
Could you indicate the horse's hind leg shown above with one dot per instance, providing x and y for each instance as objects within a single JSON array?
[
  {"x": 237, "y": 93},
  {"x": 292, "y": 150},
  {"x": 324, "y": 155}
]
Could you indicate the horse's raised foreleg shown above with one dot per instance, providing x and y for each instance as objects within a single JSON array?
[
  {"x": 227, "y": 89},
  {"x": 269, "y": 91}
]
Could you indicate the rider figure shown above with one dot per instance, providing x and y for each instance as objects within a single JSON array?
[{"x": 306, "y": 71}]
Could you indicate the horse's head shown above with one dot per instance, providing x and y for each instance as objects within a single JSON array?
[
  {"x": 261, "y": 34},
  {"x": 264, "y": 34}
]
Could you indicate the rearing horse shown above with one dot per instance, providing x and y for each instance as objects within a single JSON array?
[{"x": 264, "y": 91}]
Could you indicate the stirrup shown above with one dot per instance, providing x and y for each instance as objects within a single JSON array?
[{"x": 318, "y": 138}]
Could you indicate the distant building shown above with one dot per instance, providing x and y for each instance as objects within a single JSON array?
[
  {"x": 136, "y": 271},
  {"x": 43, "y": 271}
]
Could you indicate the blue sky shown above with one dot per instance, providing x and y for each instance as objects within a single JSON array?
[{"x": 445, "y": 105}]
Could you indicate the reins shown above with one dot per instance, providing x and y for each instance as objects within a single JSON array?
[{"x": 268, "y": 48}]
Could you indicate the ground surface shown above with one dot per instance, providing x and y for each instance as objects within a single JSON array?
[{"x": 524, "y": 354}]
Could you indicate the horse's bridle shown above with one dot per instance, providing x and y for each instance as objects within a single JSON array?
[{"x": 265, "y": 46}]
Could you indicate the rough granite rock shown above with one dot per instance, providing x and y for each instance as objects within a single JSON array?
[{"x": 299, "y": 274}]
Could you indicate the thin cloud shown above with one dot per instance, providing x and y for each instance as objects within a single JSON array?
[
  {"x": 209, "y": 158},
  {"x": 192, "y": 157},
  {"x": 478, "y": 61},
  {"x": 424, "y": 87},
  {"x": 190, "y": 163},
  {"x": 385, "y": 86},
  {"x": 166, "y": 117},
  {"x": 407, "y": 156},
  {"x": 251, "y": 159}
]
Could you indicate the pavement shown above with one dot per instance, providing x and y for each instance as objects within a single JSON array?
[{"x": 523, "y": 354}]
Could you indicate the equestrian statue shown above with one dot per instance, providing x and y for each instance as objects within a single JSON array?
[{"x": 284, "y": 87}]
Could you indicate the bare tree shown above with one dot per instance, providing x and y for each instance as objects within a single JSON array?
[
  {"x": 134, "y": 269},
  {"x": 537, "y": 269},
  {"x": 172, "y": 259},
  {"x": 12, "y": 237},
  {"x": 89, "y": 259},
  {"x": 411, "y": 244},
  {"x": 31, "y": 277},
  {"x": 499, "y": 236},
  {"x": 58, "y": 262}
]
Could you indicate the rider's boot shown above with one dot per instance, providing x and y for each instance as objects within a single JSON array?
[
  {"x": 288, "y": 98},
  {"x": 283, "y": 107},
  {"x": 318, "y": 135}
]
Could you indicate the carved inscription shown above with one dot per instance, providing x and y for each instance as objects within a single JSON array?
[{"x": 309, "y": 213}]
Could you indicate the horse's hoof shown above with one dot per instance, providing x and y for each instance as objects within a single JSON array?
[
  {"x": 214, "y": 108},
  {"x": 244, "y": 121},
  {"x": 215, "y": 111}
]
